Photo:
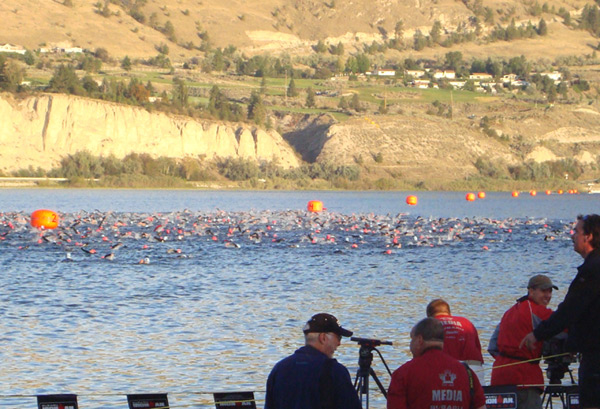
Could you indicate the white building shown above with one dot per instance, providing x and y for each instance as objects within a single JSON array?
[
  {"x": 415, "y": 73},
  {"x": 457, "y": 84},
  {"x": 481, "y": 76},
  {"x": 384, "y": 72},
  {"x": 448, "y": 74},
  {"x": 9, "y": 48}
]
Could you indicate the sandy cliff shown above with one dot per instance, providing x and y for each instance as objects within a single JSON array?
[{"x": 39, "y": 130}]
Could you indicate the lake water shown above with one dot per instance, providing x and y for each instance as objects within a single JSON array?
[{"x": 233, "y": 276}]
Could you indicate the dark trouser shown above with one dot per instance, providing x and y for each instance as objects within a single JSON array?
[{"x": 589, "y": 380}]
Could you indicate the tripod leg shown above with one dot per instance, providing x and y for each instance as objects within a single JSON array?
[{"x": 378, "y": 382}]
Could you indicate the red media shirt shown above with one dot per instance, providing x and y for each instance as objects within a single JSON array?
[
  {"x": 434, "y": 380},
  {"x": 461, "y": 339}
]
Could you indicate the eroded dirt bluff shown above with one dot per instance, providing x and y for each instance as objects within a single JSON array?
[
  {"x": 420, "y": 146},
  {"x": 39, "y": 130}
]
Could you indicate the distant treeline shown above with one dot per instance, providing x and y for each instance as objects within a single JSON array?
[
  {"x": 142, "y": 170},
  {"x": 530, "y": 170}
]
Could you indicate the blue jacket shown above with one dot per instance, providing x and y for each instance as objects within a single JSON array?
[{"x": 308, "y": 379}]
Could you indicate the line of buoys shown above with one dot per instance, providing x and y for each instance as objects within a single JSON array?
[
  {"x": 315, "y": 206},
  {"x": 44, "y": 219},
  {"x": 411, "y": 200}
]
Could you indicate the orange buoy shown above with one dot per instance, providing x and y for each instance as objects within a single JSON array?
[
  {"x": 515, "y": 193},
  {"x": 548, "y": 192},
  {"x": 532, "y": 193},
  {"x": 315, "y": 206},
  {"x": 411, "y": 200},
  {"x": 44, "y": 219},
  {"x": 470, "y": 197},
  {"x": 560, "y": 192},
  {"x": 481, "y": 195}
]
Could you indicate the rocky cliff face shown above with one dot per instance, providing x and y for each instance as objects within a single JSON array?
[{"x": 39, "y": 130}]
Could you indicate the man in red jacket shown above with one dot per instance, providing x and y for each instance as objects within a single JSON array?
[
  {"x": 520, "y": 366},
  {"x": 461, "y": 339},
  {"x": 433, "y": 379}
]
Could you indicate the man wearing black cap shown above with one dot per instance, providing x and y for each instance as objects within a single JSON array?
[
  {"x": 513, "y": 365},
  {"x": 311, "y": 378},
  {"x": 580, "y": 311}
]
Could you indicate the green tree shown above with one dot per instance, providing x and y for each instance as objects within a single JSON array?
[
  {"x": 126, "y": 63},
  {"x": 11, "y": 74},
  {"x": 542, "y": 28},
  {"x": 343, "y": 104},
  {"x": 399, "y": 30},
  {"x": 105, "y": 12},
  {"x": 453, "y": 60},
  {"x": 90, "y": 85},
  {"x": 419, "y": 40},
  {"x": 81, "y": 165},
  {"x": 362, "y": 63},
  {"x": 320, "y": 47},
  {"x": 337, "y": 49},
  {"x": 65, "y": 80},
  {"x": 436, "y": 32},
  {"x": 263, "y": 86},
  {"x": 180, "y": 94},
  {"x": 102, "y": 54},
  {"x": 29, "y": 58},
  {"x": 291, "y": 89},
  {"x": 310, "y": 97},
  {"x": 355, "y": 103},
  {"x": 169, "y": 31},
  {"x": 256, "y": 109}
]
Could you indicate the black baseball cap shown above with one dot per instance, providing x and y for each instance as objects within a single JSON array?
[{"x": 325, "y": 323}]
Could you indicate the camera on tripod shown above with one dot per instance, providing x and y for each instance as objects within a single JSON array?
[
  {"x": 368, "y": 342},
  {"x": 365, "y": 359},
  {"x": 559, "y": 359}
]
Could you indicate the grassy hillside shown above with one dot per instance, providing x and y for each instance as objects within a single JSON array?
[
  {"x": 137, "y": 27},
  {"x": 304, "y": 37}
]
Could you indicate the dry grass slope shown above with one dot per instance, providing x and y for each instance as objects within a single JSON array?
[{"x": 274, "y": 26}]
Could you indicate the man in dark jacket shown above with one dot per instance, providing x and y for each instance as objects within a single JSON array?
[
  {"x": 311, "y": 378},
  {"x": 580, "y": 312}
]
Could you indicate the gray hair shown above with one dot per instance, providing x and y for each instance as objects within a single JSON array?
[{"x": 430, "y": 329}]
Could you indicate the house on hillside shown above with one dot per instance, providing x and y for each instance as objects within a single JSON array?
[
  {"x": 509, "y": 78},
  {"x": 9, "y": 48},
  {"x": 415, "y": 73},
  {"x": 457, "y": 84},
  {"x": 481, "y": 76},
  {"x": 447, "y": 74},
  {"x": 72, "y": 50},
  {"x": 423, "y": 84},
  {"x": 383, "y": 72},
  {"x": 554, "y": 75}
]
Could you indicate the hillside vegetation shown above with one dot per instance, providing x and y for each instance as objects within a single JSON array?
[{"x": 301, "y": 68}]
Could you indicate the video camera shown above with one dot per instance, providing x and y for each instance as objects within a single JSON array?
[
  {"x": 557, "y": 365},
  {"x": 371, "y": 343}
]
